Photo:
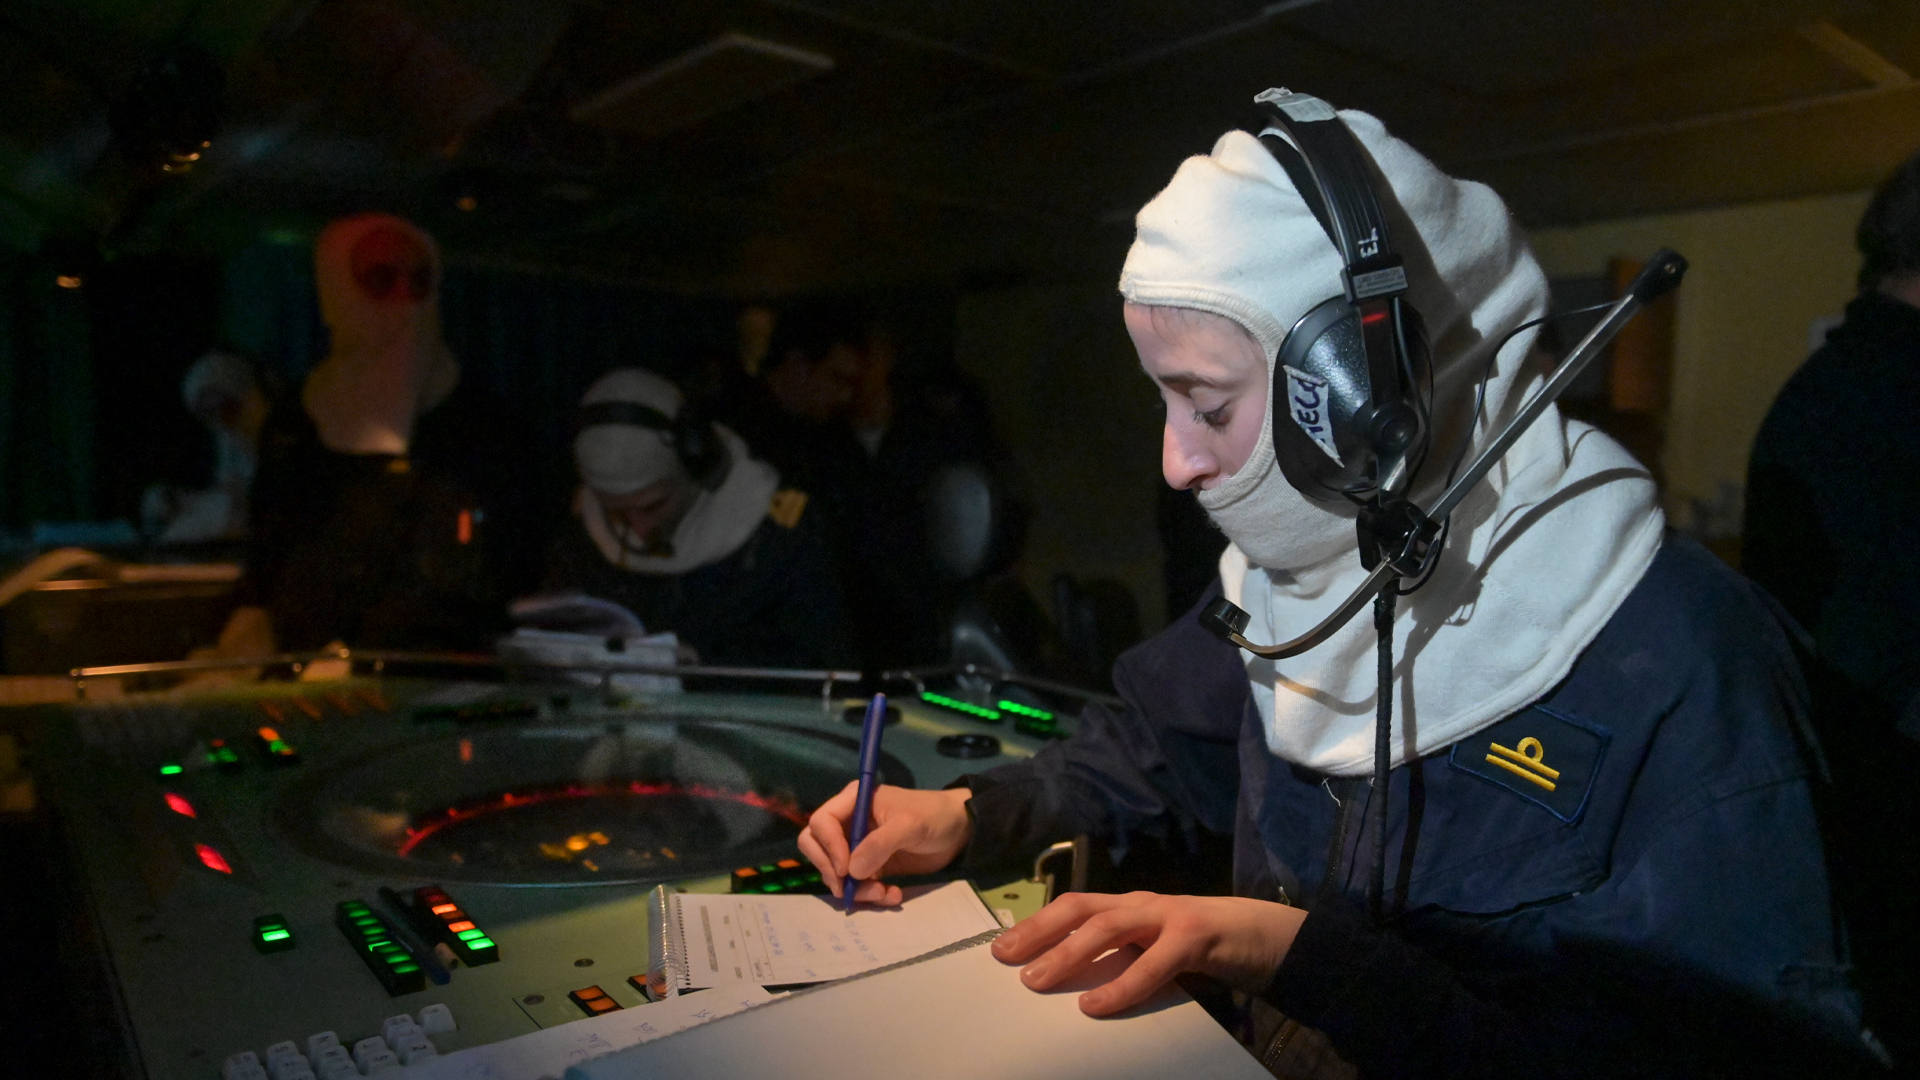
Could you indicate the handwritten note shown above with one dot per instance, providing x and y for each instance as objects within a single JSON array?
[
  {"x": 548, "y": 1053},
  {"x": 782, "y": 940}
]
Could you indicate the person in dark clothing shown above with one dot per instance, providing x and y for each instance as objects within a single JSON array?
[
  {"x": 871, "y": 444},
  {"x": 679, "y": 524},
  {"x": 420, "y": 550},
  {"x": 390, "y": 506},
  {"x": 1832, "y": 507},
  {"x": 1601, "y": 851}
]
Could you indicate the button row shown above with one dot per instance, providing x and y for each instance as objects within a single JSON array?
[
  {"x": 377, "y": 945},
  {"x": 402, "y": 1041}
]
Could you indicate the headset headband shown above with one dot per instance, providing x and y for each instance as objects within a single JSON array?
[
  {"x": 629, "y": 413},
  {"x": 1339, "y": 191}
]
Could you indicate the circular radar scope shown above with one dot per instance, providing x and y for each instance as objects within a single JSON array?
[{"x": 632, "y": 801}]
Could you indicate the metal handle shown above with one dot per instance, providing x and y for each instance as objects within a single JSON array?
[{"x": 1075, "y": 849}]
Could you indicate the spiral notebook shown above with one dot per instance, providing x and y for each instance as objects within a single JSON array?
[
  {"x": 955, "y": 1014},
  {"x": 699, "y": 940}
]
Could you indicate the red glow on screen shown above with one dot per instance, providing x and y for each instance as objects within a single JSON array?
[
  {"x": 776, "y": 805},
  {"x": 1372, "y": 317},
  {"x": 463, "y": 528},
  {"x": 212, "y": 858},
  {"x": 179, "y": 804}
]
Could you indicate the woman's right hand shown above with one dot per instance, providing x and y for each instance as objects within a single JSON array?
[{"x": 912, "y": 832}]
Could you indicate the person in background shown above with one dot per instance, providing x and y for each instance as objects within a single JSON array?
[
  {"x": 391, "y": 504},
  {"x": 1599, "y": 856},
  {"x": 676, "y": 521},
  {"x": 1832, "y": 515},
  {"x": 221, "y": 392},
  {"x": 871, "y": 443}
]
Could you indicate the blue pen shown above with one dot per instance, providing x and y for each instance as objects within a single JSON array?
[{"x": 871, "y": 729}]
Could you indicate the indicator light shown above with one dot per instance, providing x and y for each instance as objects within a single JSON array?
[
  {"x": 396, "y": 968},
  {"x": 276, "y": 748},
  {"x": 1028, "y": 720},
  {"x": 221, "y": 756},
  {"x": 785, "y": 876},
  {"x": 440, "y": 919},
  {"x": 179, "y": 805},
  {"x": 271, "y": 934},
  {"x": 593, "y": 1001},
  {"x": 978, "y": 712},
  {"x": 171, "y": 769},
  {"x": 212, "y": 859}
]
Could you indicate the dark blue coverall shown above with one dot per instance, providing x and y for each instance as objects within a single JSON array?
[{"x": 1657, "y": 906}]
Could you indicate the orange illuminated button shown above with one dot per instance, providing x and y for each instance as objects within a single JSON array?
[
  {"x": 444, "y": 909},
  {"x": 464, "y": 924},
  {"x": 593, "y": 1001}
]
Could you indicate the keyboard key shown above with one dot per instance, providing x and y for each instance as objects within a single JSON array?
[
  {"x": 244, "y": 1065},
  {"x": 336, "y": 1068},
  {"x": 331, "y": 1059},
  {"x": 395, "y": 1028},
  {"x": 435, "y": 1019},
  {"x": 382, "y": 1062},
  {"x": 318, "y": 1043},
  {"x": 414, "y": 1048},
  {"x": 366, "y": 1048}
]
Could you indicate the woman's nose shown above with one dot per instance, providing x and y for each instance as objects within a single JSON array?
[{"x": 1184, "y": 467}]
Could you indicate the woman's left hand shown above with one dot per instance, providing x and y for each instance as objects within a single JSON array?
[{"x": 1236, "y": 940}]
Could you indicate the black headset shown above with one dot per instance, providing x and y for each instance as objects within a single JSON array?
[
  {"x": 690, "y": 434},
  {"x": 1354, "y": 375}
]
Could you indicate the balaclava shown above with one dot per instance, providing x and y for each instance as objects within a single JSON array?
[
  {"x": 379, "y": 283},
  {"x": 1540, "y": 555},
  {"x": 619, "y": 459}
]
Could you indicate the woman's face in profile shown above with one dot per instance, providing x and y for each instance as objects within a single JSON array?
[{"x": 1212, "y": 377}]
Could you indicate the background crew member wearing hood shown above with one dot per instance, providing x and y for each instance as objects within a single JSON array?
[
  {"x": 1602, "y": 850},
  {"x": 676, "y": 521},
  {"x": 390, "y": 505}
]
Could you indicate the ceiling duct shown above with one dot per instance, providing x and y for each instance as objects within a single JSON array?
[{"x": 729, "y": 71}]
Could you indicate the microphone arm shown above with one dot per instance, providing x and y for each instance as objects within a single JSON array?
[{"x": 1225, "y": 620}]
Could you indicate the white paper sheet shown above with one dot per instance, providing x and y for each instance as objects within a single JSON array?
[
  {"x": 783, "y": 940},
  {"x": 961, "y": 1015},
  {"x": 548, "y": 1053}
]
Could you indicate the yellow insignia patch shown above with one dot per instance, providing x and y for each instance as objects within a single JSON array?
[{"x": 787, "y": 506}]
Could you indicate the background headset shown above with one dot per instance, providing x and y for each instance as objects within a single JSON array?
[
  {"x": 690, "y": 434},
  {"x": 1353, "y": 377}
]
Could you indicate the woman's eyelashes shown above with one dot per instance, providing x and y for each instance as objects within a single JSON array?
[{"x": 1214, "y": 418}]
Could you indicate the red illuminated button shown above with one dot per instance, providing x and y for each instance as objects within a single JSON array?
[
  {"x": 212, "y": 859},
  {"x": 179, "y": 805}
]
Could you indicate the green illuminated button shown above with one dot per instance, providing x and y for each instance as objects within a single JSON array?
[
  {"x": 480, "y": 943},
  {"x": 270, "y": 934},
  {"x": 469, "y": 935},
  {"x": 171, "y": 769},
  {"x": 978, "y": 712}
]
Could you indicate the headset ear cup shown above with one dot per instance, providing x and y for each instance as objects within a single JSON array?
[{"x": 699, "y": 447}]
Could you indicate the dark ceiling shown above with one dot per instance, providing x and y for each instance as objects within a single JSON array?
[{"x": 976, "y": 143}]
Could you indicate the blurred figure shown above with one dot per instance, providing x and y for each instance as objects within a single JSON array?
[
  {"x": 679, "y": 524},
  {"x": 873, "y": 444},
  {"x": 220, "y": 390},
  {"x": 1832, "y": 510},
  {"x": 390, "y": 508}
]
